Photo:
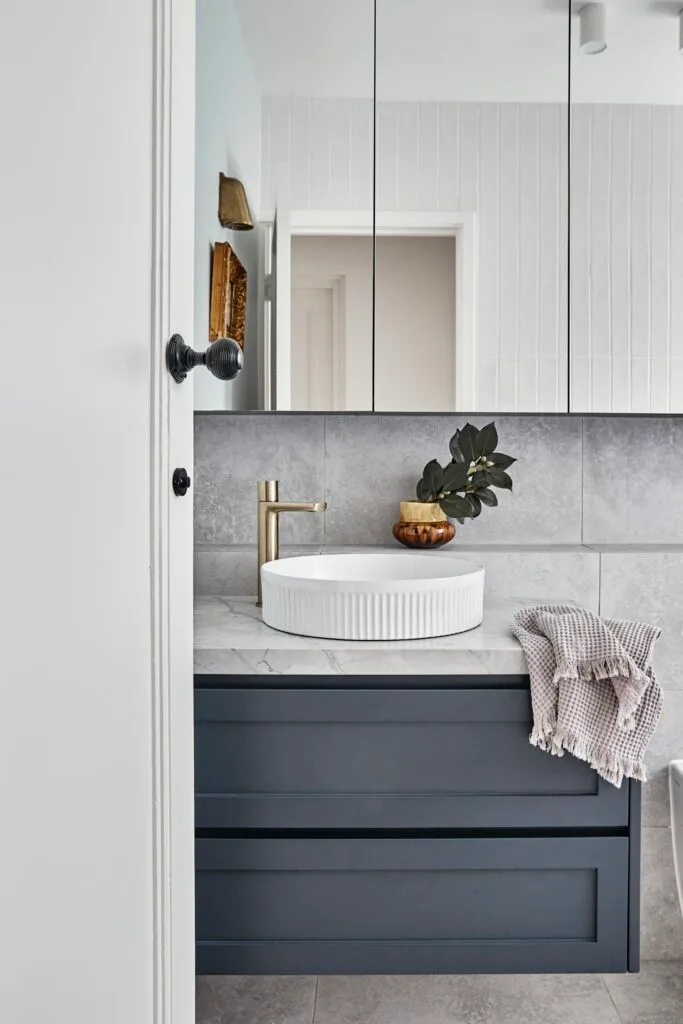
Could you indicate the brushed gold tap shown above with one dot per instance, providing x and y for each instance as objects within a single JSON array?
[{"x": 269, "y": 508}]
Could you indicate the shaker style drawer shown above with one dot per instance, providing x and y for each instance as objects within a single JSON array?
[
  {"x": 373, "y": 906},
  {"x": 382, "y": 758}
]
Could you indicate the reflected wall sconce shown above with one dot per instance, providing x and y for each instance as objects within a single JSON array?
[
  {"x": 593, "y": 18},
  {"x": 233, "y": 207}
]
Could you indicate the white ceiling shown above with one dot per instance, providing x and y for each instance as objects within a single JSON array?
[{"x": 465, "y": 50}]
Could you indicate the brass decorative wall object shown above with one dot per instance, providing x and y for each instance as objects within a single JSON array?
[
  {"x": 228, "y": 313},
  {"x": 233, "y": 206}
]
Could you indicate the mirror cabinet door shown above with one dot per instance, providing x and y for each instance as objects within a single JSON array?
[
  {"x": 309, "y": 343},
  {"x": 626, "y": 337},
  {"x": 472, "y": 206}
]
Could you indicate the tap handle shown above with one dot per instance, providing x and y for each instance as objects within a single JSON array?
[{"x": 268, "y": 490}]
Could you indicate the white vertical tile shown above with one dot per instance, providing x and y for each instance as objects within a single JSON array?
[
  {"x": 676, "y": 313},
  {"x": 301, "y": 152},
  {"x": 321, "y": 156},
  {"x": 601, "y": 383},
  {"x": 640, "y": 384},
  {"x": 620, "y": 263},
  {"x": 387, "y": 156},
  {"x": 362, "y": 154},
  {"x": 599, "y": 239},
  {"x": 552, "y": 205},
  {"x": 408, "y": 156},
  {"x": 580, "y": 257},
  {"x": 529, "y": 240},
  {"x": 340, "y": 152},
  {"x": 509, "y": 251},
  {"x": 621, "y": 384},
  {"x": 528, "y": 384},
  {"x": 469, "y": 154},
  {"x": 490, "y": 242},
  {"x": 449, "y": 158},
  {"x": 660, "y": 370},
  {"x": 676, "y": 385},
  {"x": 428, "y": 156}
]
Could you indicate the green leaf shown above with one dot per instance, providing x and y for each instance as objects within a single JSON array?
[
  {"x": 423, "y": 492},
  {"x": 456, "y": 507},
  {"x": 454, "y": 476},
  {"x": 499, "y": 478},
  {"x": 454, "y": 447},
  {"x": 476, "y": 505},
  {"x": 468, "y": 442},
  {"x": 433, "y": 477},
  {"x": 487, "y": 440},
  {"x": 488, "y": 497},
  {"x": 503, "y": 461},
  {"x": 461, "y": 521},
  {"x": 480, "y": 478}
]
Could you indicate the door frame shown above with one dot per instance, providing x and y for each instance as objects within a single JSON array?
[
  {"x": 460, "y": 226},
  {"x": 171, "y": 873}
]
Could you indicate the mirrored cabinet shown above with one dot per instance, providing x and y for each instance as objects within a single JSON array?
[
  {"x": 461, "y": 207},
  {"x": 626, "y": 337}
]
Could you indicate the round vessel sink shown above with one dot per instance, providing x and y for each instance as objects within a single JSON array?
[{"x": 392, "y": 596}]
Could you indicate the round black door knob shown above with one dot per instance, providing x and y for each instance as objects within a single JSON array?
[
  {"x": 223, "y": 358},
  {"x": 181, "y": 482}
]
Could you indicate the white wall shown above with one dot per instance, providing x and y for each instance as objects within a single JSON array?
[
  {"x": 505, "y": 162},
  {"x": 228, "y": 140},
  {"x": 75, "y": 322},
  {"x": 415, "y": 325}
]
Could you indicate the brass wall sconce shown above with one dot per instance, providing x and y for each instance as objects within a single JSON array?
[{"x": 233, "y": 208}]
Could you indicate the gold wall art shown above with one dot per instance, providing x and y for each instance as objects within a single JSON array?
[{"x": 228, "y": 312}]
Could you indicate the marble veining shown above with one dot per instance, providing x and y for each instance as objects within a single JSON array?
[{"x": 231, "y": 638}]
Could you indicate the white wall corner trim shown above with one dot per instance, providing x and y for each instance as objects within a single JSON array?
[{"x": 171, "y": 520}]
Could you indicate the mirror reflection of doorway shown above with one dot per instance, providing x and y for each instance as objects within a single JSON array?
[{"x": 331, "y": 310}]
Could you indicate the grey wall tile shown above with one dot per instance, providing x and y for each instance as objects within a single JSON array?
[
  {"x": 371, "y": 463},
  {"x": 633, "y": 481},
  {"x": 258, "y": 1000},
  {"x": 232, "y": 571},
  {"x": 648, "y": 585},
  {"x": 464, "y": 999},
  {"x": 661, "y": 921},
  {"x": 233, "y": 452}
]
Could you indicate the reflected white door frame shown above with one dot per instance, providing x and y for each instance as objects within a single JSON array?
[{"x": 461, "y": 226}]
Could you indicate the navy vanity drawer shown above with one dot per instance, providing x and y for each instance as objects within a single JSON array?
[
  {"x": 386, "y": 758},
  {"x": 371, "y": 906}
]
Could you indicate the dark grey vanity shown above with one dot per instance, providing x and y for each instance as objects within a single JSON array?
[{"x": 401, "y": 823}]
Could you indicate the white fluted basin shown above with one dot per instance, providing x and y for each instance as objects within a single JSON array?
[{"x": 392, "y": 596}]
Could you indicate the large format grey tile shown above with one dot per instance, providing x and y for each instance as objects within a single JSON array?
[
  {"x": 255, "y": 1000},
  {"x": 232, "y": 571},
  {"x": 233, "y": 452},
  {"x": 465, "y": 999},
  {"x": 661, "y": 924},
  {"x": 655, "y": 996},
  {"x": 633, "y": 480},
  {"x": 371, "y": 463},
  {"x": 648, "y": 586}
]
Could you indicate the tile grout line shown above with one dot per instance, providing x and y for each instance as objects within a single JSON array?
[
  {"x": 315, "y": 998},
  {"x": 609, "y": 996}
]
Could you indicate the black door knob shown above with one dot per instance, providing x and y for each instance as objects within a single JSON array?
[
  {"x": 181, "y": 482},
  {"x": 223, "y": 358}
]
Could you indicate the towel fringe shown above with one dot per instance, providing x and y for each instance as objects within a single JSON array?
[{"x": 610, "y": 766}]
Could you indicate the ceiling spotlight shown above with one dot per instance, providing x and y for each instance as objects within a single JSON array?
[{"x": 593, "y": 28}]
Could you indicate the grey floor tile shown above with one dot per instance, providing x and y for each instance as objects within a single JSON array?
[
  {"x": 255, "y": 1000},
  {"x": 467, "y": 999},
  {"x": 661, "y": 922},
  {"x": 655, "y": 996}
]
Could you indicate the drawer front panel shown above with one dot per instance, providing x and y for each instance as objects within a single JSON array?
[
  {"x": 411, "y": 905},
  {"x": 385, "y": 758}
]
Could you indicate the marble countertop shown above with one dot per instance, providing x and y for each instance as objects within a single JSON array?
[{"x": 230, "y": 638}]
